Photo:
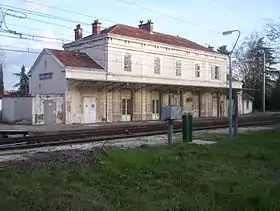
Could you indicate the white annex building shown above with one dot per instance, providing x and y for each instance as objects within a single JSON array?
[{"x": 125, "y": 73}]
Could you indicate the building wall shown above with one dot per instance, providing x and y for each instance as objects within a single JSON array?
[
  {"x": 38, "y": 103},
  {"x": 109, "y": 103},
  {"x": 17, "y": 109},
  {"x": 55, "y": 85},
  {"x": 97, "y": 50},
  {"x": 110, "y": 51},
  {"x": 143, "y": 54},
  {"x": 74, "y": 102}
]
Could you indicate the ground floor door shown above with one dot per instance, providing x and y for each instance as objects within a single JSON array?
[
  {"x": 215, "y": 102},
  {"x": 195, "y": 105},
  {"x": 155, "y": 109},
  {"x": 49, "y": 112},
  {"x": 126, "y": 109},
  {"x": 89, "y": 112}
]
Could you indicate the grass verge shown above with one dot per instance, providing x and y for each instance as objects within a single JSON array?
[{"x": 241, "y": 174}]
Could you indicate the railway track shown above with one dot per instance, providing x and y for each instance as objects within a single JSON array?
[{"x": 118, "y": 133}]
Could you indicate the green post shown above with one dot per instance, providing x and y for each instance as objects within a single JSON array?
[
  {"x": 190, "y": 127},
  {"x": 185, "y": 127}
]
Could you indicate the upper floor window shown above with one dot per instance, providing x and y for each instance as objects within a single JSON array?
[
  {"x": 157, "y": 65},
  {"x": 197, "y": 70},
  {"x": 127, "y": 62},
  {"x": 215, "y": 73},
  {"x": 45, "y": 64},
  {"x": 178, "y": 68}
]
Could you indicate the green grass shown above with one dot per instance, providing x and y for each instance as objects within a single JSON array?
[{"x": 242, "y": 174}]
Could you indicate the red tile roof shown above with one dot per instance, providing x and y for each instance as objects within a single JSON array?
[
  {"x": 73, "y": 59},
  {"x": 130, "y": 31}
]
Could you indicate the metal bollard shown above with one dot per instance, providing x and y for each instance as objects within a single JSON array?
[
  {"x": 185, "y": 127},
  {"x": 170, "y": 131},
  {"x": 190, "y": 126}
]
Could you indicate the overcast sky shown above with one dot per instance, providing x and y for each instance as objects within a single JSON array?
[{"x": 202, "y": 21}]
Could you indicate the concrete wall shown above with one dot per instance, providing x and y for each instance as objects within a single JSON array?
[
  {"x": 74, "y": 103},
  {"x": 55, "y": 85},
  {"x": 97, "y": 50},
  {"x": 143, "y": 54},
  {"x": 38, "y": 108},
  {"x": 110, "y": 51},
  {"x": 17, "y": 109},
  {"x": 109, "y": 103}
]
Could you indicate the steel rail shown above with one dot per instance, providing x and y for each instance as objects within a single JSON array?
[
  {"x": 93, "y": 139},
  {"x": 126, "y": 129}
]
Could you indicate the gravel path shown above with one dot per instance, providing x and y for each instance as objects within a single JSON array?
[{"x": 26, "y": 154}]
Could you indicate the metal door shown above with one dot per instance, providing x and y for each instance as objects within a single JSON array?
[
  {"x": 155, "y": 109},
  {"x": 49, "y": 112},
  {"x": 89, "y": 110},
  {"x": 215, "y": 103}
]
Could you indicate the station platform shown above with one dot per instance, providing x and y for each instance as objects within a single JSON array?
[{"x": 56, "y": 128}]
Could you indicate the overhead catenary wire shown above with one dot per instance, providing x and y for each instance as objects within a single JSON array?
[
  {"x": 36, "y": 29},
  {"x": 42, "y": 21},
  {"x": 45, "y": 22},
  {"x": 25, "y": 38},
  {"x": 45, "y": 15},
  {"x": 133, "y": 4},
  {"x": 169, "y": 16},
  {"x": 69, "y": 11},
  {"x": 18, "y": 14}
]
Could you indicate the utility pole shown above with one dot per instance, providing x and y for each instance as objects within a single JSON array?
[
  {"x": 264, "y": 81},
  {"x": 1, "y": 81},
  {"x": 230, "y": 101},
  {"x": 231, "y": 115}
]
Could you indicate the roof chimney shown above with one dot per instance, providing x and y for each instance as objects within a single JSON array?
[
  {"x": 78, "y": 32},
  {"x": 147, "y": 26},
  {"x": 96, "y": 27},
  {"x": 210, "y": 47}
]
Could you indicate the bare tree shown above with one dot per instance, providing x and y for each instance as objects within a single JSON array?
[
  {"x": 273, "y": 31},
  {"x": 249, "y": 64},
  {"x": 273, "y": 34}
]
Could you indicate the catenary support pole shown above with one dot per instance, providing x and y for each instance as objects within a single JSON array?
[
  {"x": 264, "y": 81},
  {"x": 230, "y": 106}
]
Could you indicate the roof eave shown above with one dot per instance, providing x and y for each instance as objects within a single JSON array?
[
  {"x": 84, "y": 40},
  {"x": 84, "y": 68},
  {"x": 111, "y": 34},
  {"x": 44, "y": 51}
]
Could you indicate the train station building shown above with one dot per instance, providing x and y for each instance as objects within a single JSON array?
[{"x": 125, "y": 73}]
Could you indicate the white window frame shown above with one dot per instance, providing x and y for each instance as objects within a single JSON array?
[
  {"x": 177, "y": 70},
  {"x": 197, "y": 73},
  {"x": 129, "y": 65},
  {"x": 157, "y": 67},
  {"x": 213, "y": 72}
]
